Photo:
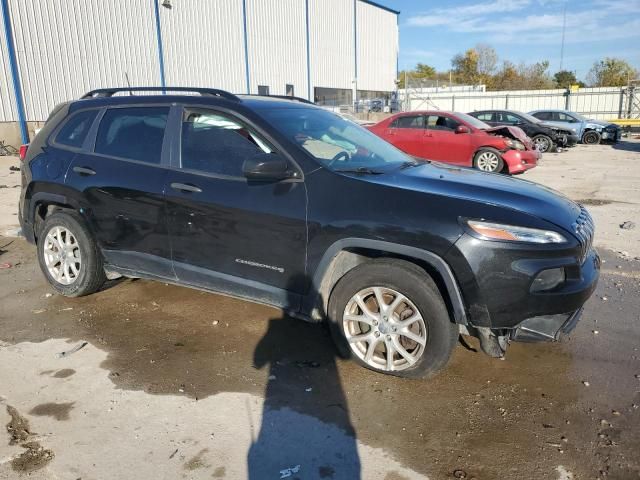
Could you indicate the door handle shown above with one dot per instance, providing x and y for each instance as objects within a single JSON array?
[
  {"x": 84, "y": 171},
  {"x": 186, "y": 187}
]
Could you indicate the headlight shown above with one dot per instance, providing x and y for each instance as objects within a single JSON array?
[
  {"x": 508, "y": 142},
  {"x": 518, "y": 145},
  {"x": 498, "y": 231}
]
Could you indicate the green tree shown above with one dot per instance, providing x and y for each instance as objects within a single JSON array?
[
  {"x": 421, "y": 71},
  {"x": 611, "y": 72},
  {"x": 465, "y": 67},
  {"x": 564, "y": 79}
]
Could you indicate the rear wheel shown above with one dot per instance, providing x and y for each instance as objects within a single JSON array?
[
  {"x": 488, "y": 160},
  {"x": 591, "y": 138},
  {"x": 68, "y": 255},
  {"x": 543, "y": 143},
  {"x": 390, "y": 317}
]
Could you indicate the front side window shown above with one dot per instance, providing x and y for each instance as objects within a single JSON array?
[
  {"x": 75, "y": 130},
  {"x": 218, "y": 144},
  {"x": 409, "y": 121},
  {"x": 440, "y": 122},
  {"x": 335, "y": 142},
  {"x": 510, "y": 119},
  {"x": 133, "y": 133}
]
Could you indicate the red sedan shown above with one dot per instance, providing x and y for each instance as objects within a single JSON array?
[{"x": 459, "y": 139}]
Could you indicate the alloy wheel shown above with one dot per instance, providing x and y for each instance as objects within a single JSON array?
[
  {"x": 488, "y": 162},
  {"x": 62, "y": 255},
  {"x": 542, "y": 144},
  {"x": 384, "y": 329}
]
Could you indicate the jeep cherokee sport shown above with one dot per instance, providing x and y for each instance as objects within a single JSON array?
[{"x": 278, "y": 201}]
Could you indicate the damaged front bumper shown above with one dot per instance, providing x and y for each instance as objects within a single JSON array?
[{"x": 546, "y": 327}]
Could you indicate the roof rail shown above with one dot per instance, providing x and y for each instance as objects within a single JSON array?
[
  {"x": 283, "y": 97},
  {"x": 109, "y": 92}
]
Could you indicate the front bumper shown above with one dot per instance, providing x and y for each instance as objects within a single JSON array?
[
  {"x": 519, "y": 161},
  {"x": 496, "y": 279},
  {"x": 567, "y": 140}
]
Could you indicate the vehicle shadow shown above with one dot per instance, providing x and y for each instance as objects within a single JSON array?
[
  {"x": 627, "y": 146},
  {"x": 306, "y": 429}
]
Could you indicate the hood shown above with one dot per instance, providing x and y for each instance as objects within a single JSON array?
[
  {"x": 488, "y": 188},
  {"x": 511, "y": 132},
  {"x": 592, "y": 123}
]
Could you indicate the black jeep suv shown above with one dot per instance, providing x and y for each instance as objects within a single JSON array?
[{"x": 281, "y": 202}]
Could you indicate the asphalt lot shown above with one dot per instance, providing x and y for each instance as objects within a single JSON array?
[{"x": 146, "y": 380}]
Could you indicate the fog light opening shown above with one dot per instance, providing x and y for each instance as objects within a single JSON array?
[{"x": 548, "y": 280}]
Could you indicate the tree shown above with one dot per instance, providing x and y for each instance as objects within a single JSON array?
[
  {"x": 611, "y": 72},
  {"x": 564, "y": 79},
  {"x": 487, "y": 59},
  {"x": 421, "y": 71},
  {"x": 465, "y": 67}
]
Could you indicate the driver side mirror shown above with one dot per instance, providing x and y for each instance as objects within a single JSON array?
[
  {"x": 462, "y": 129},
  {"x": 266, "y": 167}
]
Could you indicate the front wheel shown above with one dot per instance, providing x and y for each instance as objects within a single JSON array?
[
  {"x": 488, "y": 160},
  {"x": 591, "y": 138},
  {"x": 390, "y": 317},
  {"x": 68, "y": 255},
  {"x": 543, "y": 143}
]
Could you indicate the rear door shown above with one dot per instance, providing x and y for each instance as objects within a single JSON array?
[
  {"x": 487, "y": 117},
  {"x": 407, "y": 132},
  {"x": 121, "y": 179},
  {"x": 449, "y": 146},
  {"x": 229, "y": 234}
]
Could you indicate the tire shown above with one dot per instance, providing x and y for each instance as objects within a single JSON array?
[
  {"x": 488, "y": 160},
  {"x": 591, "y": 138},
  {"x": 391, "y": 279},
  {"x": 62, "y": 238},
  {"x": 543, "y": 143}
]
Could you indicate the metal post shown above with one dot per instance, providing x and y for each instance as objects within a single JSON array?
[
  {"x": 156, "y": 9},
  {"x": 567, "y": 99},
  {"x": 15, "y": 74},
  {"x": 506, "y": 101},
  {"x": 621, "y": 104},
  {"x": 355, "y": 55},
  {"x": 453, "y": 103},
  {"x": 306, "y": 11},
  {"x": 246, "y": 44}
]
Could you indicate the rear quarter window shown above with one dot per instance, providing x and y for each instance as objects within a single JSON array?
[{"x": 75, "y": 129}]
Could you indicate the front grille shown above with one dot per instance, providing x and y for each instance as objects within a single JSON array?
[{"x": 584, "y": 229}]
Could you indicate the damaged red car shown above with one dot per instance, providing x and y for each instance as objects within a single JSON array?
[{"x": 459, "y": 139}]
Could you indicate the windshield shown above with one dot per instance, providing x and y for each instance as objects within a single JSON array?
[
  {"x": 339, "y": 144},
  {"x": 473, "y": 121},
  {"x": 528, "y": 117}
]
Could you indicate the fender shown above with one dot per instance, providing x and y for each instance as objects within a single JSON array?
[{"x": 428, "y": 257}]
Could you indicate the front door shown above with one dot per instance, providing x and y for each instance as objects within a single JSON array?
[
  {"x": 449, "y": 146},
  {"x": 227, "y": 233},
  {"x": 121, "y": 180},
  {"x": 408, "y": 134}
]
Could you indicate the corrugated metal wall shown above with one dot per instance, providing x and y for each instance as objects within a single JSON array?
[
  {"x": 203, "y": 44},
  {"x": 277, "y": 45},
  {"x": 377, "y": 48},
  {"x": 66, "y": 47},
  {"x": 7, "y": 101},
  {"x": 332, "y": 44}
]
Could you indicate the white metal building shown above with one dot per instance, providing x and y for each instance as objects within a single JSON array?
[{"x": 322, "y": 50}]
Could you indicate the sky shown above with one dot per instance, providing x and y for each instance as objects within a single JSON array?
[{"x": 432, "y": 32}]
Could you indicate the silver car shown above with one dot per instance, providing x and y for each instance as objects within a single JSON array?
[{"x": 589, "y": 131}]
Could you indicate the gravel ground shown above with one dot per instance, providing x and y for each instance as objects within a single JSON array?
[{"x": 147, "y": 380}]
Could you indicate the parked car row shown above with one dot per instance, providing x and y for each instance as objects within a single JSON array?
[{"x": 498, "y": 141}]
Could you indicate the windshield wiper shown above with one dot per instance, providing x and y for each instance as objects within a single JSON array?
[
  {"x": 412, "y": 163},
  {"x": 360, "y": 170}
]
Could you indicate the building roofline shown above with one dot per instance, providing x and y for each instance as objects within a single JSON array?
[{"x": 376, "y": 4}]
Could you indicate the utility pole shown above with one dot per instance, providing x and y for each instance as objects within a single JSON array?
[{"x": 564, "y": 26}]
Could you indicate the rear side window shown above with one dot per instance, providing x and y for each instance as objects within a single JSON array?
[
  {"x": 133, "y": 133},
  {"x": 75, "y": 129},
  {"x": 543, "y": 115},
  {"x": 486, "y": 117},
  {"x": 409, "y": 121},
  {"x": 215, "y": 143}
]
